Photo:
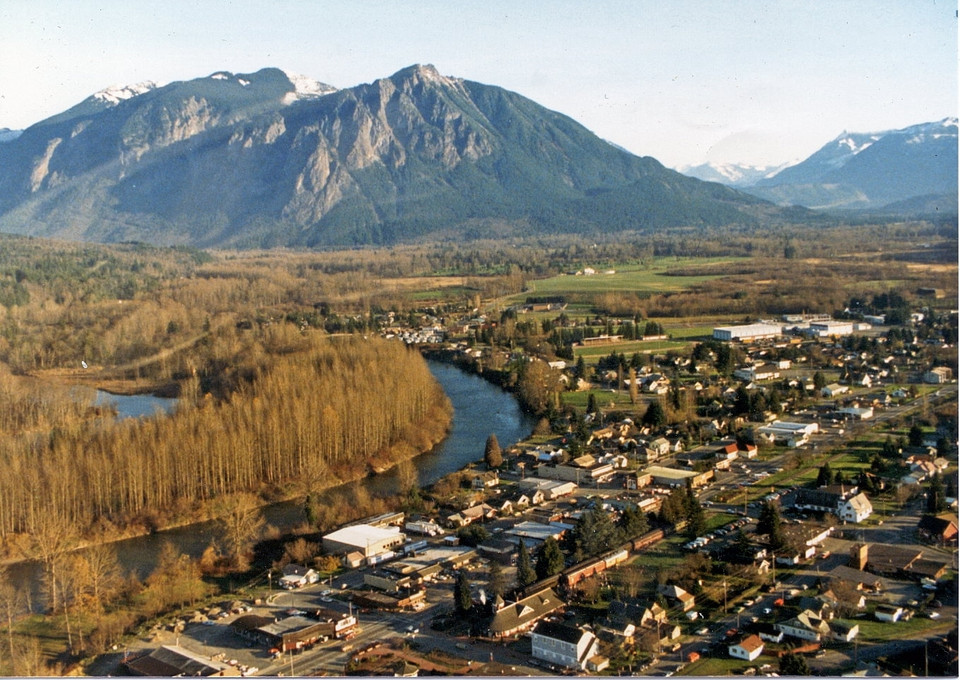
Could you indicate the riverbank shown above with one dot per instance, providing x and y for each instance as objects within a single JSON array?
[{"x": 417, "y": 439}]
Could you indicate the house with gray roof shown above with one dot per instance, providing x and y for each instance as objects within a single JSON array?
[{"x": 522, "y": 615}]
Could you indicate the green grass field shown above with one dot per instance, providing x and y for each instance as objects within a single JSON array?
[
  {"x": 629, "y": 278},
  {"x": 594, "y": 352}
]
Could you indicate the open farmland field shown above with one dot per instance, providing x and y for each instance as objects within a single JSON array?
[{"x": 655, "y": 278}]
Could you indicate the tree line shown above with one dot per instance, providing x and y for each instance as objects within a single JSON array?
[{"x": 300, "y": 412}]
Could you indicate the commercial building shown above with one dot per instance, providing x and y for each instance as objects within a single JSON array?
[
  {"x": 517, "y": 617},
  {"x": 664, "y": 476},
  {"x": 368, "y": 540},
  {"x": 168, "y": 661},
  {"x": 825, "y": 329},
  {"x": 754, "y": 331}
]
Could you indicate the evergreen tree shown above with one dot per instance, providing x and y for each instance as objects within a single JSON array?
[
  {"x": 655, "y": 416},
  {"x": 915, "y": 436},
  {"x": 549, "y": 560},
  {"x": 496, "y": 585},
  {"x": 632, "y": 522},
  {"x": 592, "y": 403},
  {"x": 771, "y": 524},
  {"x": 461, "y": 594},
  {"x": 696, "y": 521},
  {"x": 936, "y": 501},
  {"x": 825, "y": 476},
  {"x": 525, "y": 573},
  {"x": 595, "y": 532},
  {"x": 793, "y": 664},
  {"x": 491, "y": 453}
]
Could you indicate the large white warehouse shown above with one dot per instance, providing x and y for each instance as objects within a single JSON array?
[
  {"x": 753, "y": 331},
  {"x": 363, "y": 538}
]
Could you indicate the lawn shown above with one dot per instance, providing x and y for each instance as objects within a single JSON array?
[
  {"x": 717, "y": 666},
  {"x": 628, "y": 347},
  {"x": 872, "y": 630}
]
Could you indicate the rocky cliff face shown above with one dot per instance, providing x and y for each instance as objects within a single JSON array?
[{"x": 260, "y": 159}]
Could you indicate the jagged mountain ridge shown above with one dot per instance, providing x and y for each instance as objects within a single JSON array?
[
  {"x": 897, "y": 168},
  {"x": 254, "y": 160}
]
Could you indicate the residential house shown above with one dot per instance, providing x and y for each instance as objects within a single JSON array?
[
  {"x": 677, "y": 596},
  {"x": 888, "y": 613},
  {"x": 841, "y": 631},
  {"x": 296, "y": 576},
  {"x": 941, "y": 528},
  {"x": 562, "y": 644},
  {"x": 805, "y": 626},
  {"x": 938, "y": 375},
  {"x": 749, "y": 648},
  {"x": 485, "y": 480},
  {"x": 834, "y": 390},
  {"x": 854, "y": 509},
  {"x": 842, "y": 597},
  {"x": 768, "y": 632}
]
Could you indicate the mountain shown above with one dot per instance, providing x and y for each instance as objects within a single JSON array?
[
  {"x": 8, "y": 135},
  {"x": 268, "y": 159},
  {"x": 731, "y": 174},
  {"x": 896, "y": 168}
]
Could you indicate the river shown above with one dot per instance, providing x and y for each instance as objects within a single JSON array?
[{"x": 479, "y": 409}]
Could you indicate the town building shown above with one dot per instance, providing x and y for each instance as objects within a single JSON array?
[
  {"x": 826, "y": 329},
  {"x": 169, "y": 662},
  {"x": 370, "y": 541},
  {"x": 520, "y": 616},
  {"x": 562, "y": 644},
  {"x": 748, "y": 332},
  {"x": 665, "y": 476}
]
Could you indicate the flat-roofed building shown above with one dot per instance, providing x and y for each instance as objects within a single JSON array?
[
  {"x": 665, "y": 476},
  {"x": 168, "y": 661},
  {"x": 363, "y": 538},
  {"x": 745, "y": 333},
  {"x": 825, "y": 329}
]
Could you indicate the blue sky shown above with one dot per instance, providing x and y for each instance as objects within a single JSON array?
[{"x": 752, "y": 81}]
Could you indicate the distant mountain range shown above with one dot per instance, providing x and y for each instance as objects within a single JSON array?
[
  {"x": 270, "y": 159},
  {"x": 909, "y": 171},
  {"x": 731, "y": 174}
]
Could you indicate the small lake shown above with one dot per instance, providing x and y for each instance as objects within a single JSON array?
[{"x": 135, "y": 405}]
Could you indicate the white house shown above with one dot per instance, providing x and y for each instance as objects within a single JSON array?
[
  {"x": 748, "y": 648},
  {"x": 888, "y": 613},
  {"x": 295, "y": 576},
  {"x": 833, "y": 390},
  {"x": 561, "y": 644},
  {"x": 806, "y": 626},
  {"x": 855, "y": 509},
  {"x": 937, "y": 376}
]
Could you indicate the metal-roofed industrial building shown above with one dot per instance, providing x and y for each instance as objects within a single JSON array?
[
  {"x": 753, "y": 331},
  {"x": 368, "y": 540}
]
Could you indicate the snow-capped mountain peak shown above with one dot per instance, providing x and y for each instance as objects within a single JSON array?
[
  {"x": 731, "y": 174},
  {"x": 305, "y": 87},
  {"x": 113, "y": 95}
]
